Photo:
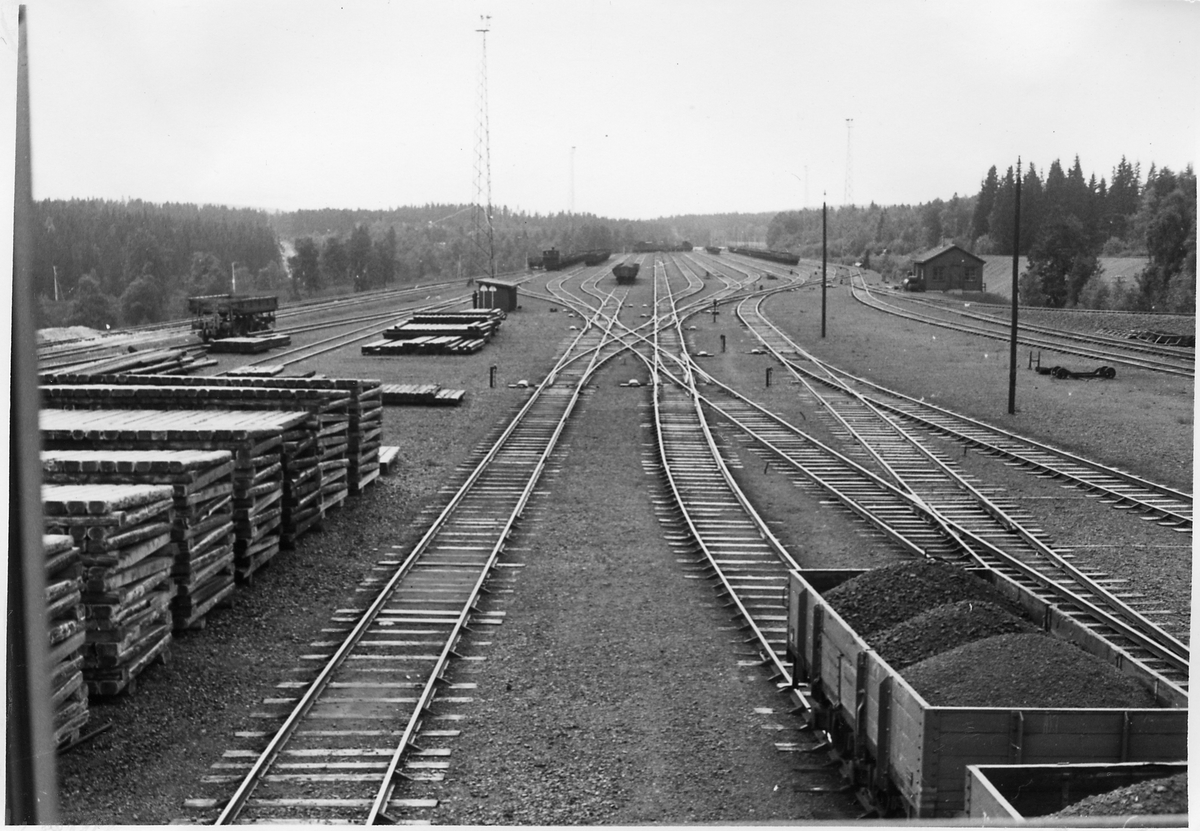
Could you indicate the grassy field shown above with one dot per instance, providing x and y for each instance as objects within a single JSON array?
[{"x": 997, "y": 274}]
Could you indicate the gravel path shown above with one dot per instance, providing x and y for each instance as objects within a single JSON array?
[{"x": 613, "y": 692}]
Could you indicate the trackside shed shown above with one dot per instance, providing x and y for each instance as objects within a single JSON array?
[
  {"x": 949, "y": 267},
  {"x": 496, "y": 294}
]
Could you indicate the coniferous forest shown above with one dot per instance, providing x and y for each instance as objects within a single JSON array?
[{"x": 103, "y": 263}]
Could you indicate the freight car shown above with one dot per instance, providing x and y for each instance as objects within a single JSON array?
[
  {"x": 596, "y": 256},
  {"x": 554, "y": 260},
  {"x": 712, "y": 249},
  {"x": 907, "y": 757},
  {"x": 217, "y": 316},
  {"x": 766, "y": 254},
  {"x": 626, "y": 272},
  {"x": 650, "y": 246}
]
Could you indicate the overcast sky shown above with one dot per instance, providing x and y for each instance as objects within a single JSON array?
[{"x": 671, "y": 106}]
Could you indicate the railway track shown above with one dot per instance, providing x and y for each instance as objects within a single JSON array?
[
  {"x": 349, "y": 730},
  {"x": 178, "y": 333},
  {"x": 922, "y": 503},
  {"x": 1119, "y": 488},
  {"x": 1106, "y": 350},
  {"x": 995, "y": 535},
  {"x": 362, "y": 723}
]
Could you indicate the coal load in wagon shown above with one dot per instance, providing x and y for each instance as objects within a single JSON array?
[
  {"x": 202, "y": 528},
  {"x": 943, "y": 628},
  {"x": 1155, "y": 796},
  {"x": 65, "y": 621},
  {"x": 124, "y": 534},
  {"x": 1024, "y": 671},
  {"x": 883, "y": 597}
]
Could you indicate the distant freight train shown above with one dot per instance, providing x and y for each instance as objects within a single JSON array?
[
  {"x": 648, "y": 246},
  {"x": 766, "y": 254},
  {"x": 712, "y": 249},
  {"x": 552, "y": 260}
]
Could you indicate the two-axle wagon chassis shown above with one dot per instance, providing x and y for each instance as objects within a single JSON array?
[{"x": 217, "y": 316}]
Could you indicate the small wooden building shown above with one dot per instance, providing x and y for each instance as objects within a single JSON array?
[
  {"x": 949, "y": 267},
  {"x": 493, "y": 293}
]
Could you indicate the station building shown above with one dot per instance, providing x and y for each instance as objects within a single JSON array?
[{"x": 949, "y": 267}]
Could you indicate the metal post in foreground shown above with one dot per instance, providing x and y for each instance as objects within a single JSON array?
[
  {"x": 31, "y": 795},
  {"x": 1012, "y": 338}
]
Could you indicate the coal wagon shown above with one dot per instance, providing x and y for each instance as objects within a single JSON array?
[
  {"x": 626, "y": 273},
  {"x": 908, "y": 757}
]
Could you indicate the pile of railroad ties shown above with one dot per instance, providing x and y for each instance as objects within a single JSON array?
[
  {"x": 439, "y": 333},
  {"x": 163, "y": 492}
]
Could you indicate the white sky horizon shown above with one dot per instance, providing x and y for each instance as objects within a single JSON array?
[{"x": 672, "y": 107}]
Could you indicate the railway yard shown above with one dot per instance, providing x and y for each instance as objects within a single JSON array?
[{"x": 625, "y": 578}]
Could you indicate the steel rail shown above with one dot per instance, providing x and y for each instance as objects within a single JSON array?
[
  {"x": 979, "y": 549},
  {"x": 347, "y": 338},
  {"x": 998, "y": 334},
  {"x": 388, "y": 786},
  {"x": 246, "y": 788},
  {"x": 946, "y": 424},
  {"x": 771, "y": 653},
  {"x": 1145, "y": 347},
  {"x": 1117, "y": 615}
]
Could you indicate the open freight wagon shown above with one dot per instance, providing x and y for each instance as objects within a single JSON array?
[
  {"x": 217, "y": 316},
  {"x": 908, "y": 757}
]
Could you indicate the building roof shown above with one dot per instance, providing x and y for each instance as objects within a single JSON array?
[
  {"x": 940, "y": 250},
  {"x": 496, "y": 281}
]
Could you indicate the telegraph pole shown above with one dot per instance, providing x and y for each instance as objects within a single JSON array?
[
  {"x": 849, "y": 197},
  {"x": 824, "y": 220},
  {"x": 1012, "y": 338}
]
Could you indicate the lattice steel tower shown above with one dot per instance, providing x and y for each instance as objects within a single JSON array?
[
  {"x": 849, "y": 197},
  {"x": 483, "y": 232}
]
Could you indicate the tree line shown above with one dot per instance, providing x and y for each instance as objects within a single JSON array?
[
  {"x": 105, "y": 263},
  {"x": 355, "y": 250},
  {"x": 1068, "y": 221}
]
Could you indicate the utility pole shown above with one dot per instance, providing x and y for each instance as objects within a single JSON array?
[
  {"x": 1012, "y": 337},
  {"x": 571, "y": 183},
  {"x": 824, "y": 259},
  {"x": 849, "y": 198},
  {"x": 484, "y": 234}
]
